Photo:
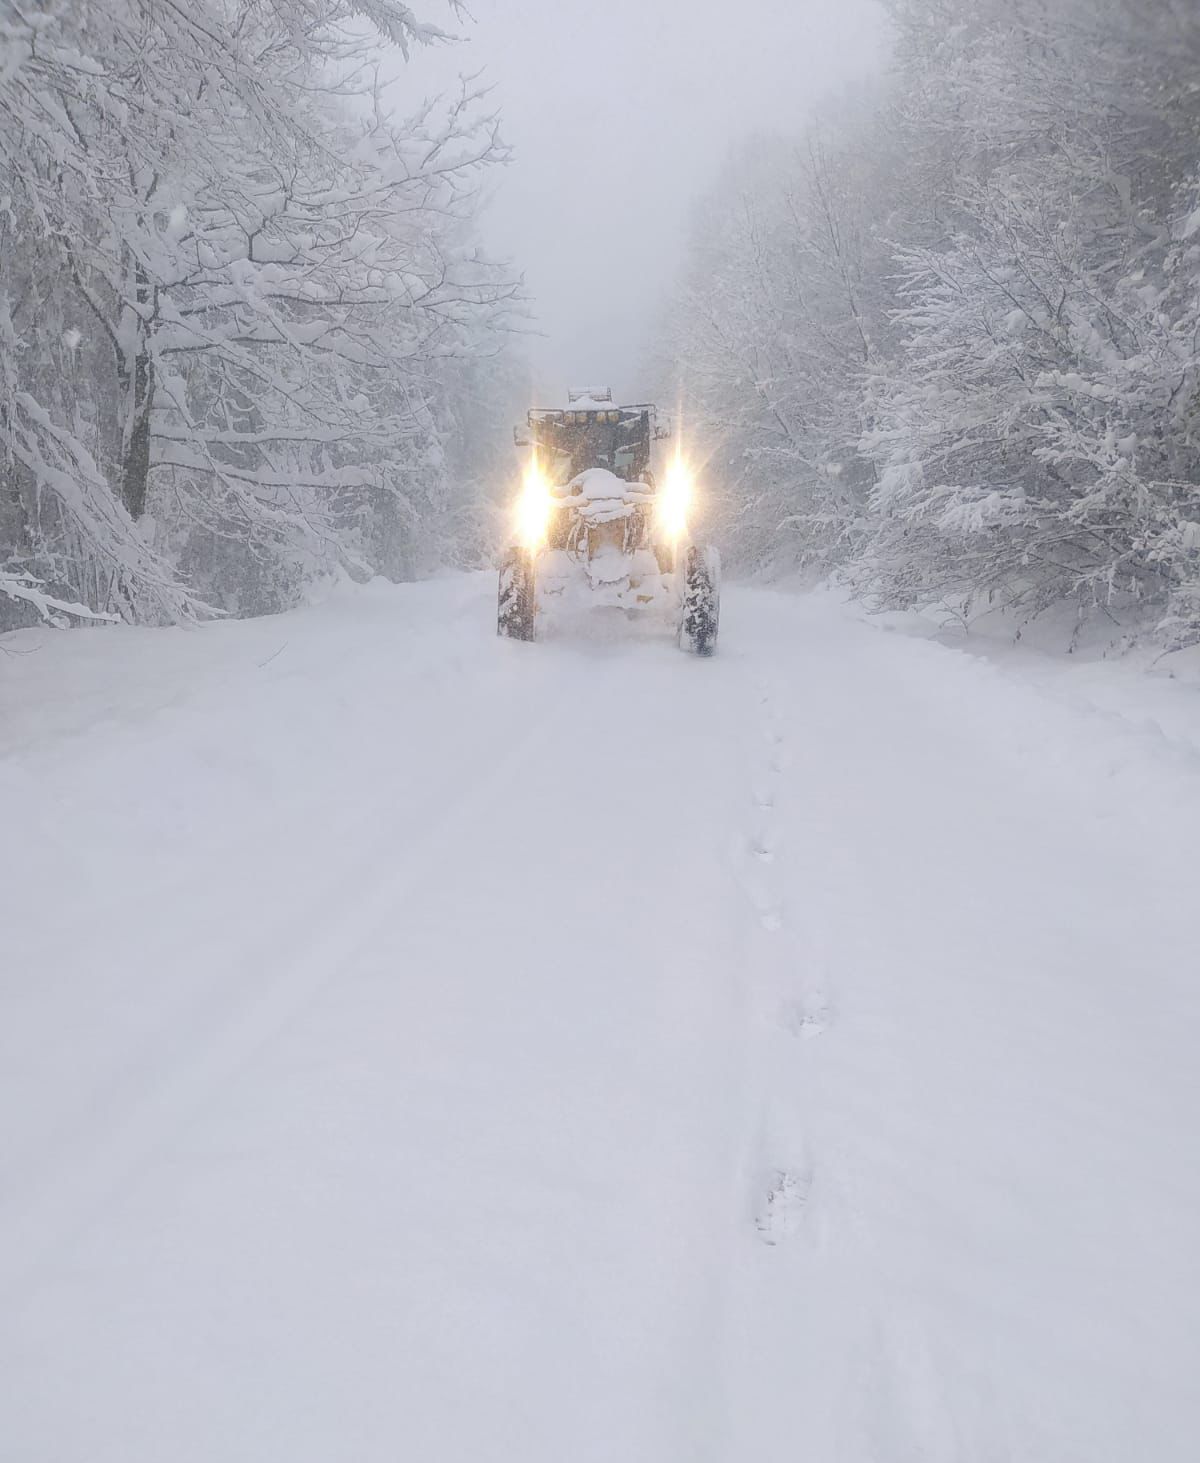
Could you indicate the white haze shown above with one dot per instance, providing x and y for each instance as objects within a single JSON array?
[{"x": 619, "y": 115}]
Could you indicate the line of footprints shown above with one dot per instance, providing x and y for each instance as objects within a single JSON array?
[{"x": 798, "y": 996}]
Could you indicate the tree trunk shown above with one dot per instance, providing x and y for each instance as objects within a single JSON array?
[
  {"x": 137, "y": 378},
  {"x": 135, "y": 469}
]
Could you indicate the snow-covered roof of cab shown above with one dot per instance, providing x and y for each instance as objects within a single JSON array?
[
  {"x": 590, "y": 400},
  {"x": 580, "y": 406}
]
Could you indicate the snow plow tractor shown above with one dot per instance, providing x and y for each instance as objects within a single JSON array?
[{"x": 594, "y": 529}]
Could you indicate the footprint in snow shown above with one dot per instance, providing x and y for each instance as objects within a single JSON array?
[
  {"x": 782, "y": 1213},
  {"x": 751, "y": 850},
  {"x": 804, "y": 1019}
]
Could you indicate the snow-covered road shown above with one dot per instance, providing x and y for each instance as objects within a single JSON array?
[{"x": 420, "y": 1046}]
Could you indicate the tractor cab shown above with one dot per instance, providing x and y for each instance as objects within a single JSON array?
[{"x": 592, "y": 431}]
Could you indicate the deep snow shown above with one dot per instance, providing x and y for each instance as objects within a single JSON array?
[{"x": 415, "y": 1045}]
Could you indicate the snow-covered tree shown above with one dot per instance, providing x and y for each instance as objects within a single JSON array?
[
  {"x": 772, "y": 340},
  {"x": 948, "y": 347},
  {"x": 236, "y": 282},
  {"x": 1035, "y": 423}
]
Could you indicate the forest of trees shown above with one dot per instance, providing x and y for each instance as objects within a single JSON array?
[
  {"x": 944, "y": 345},
  {"x": 248, "y": 335}
]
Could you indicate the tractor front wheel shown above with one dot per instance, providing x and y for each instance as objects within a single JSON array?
[
  {"x": 516, "y": 608},
  {"x": 701, "y": 615}
]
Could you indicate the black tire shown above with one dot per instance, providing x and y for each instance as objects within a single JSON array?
[
  {"x": 516, "y": 609},
  {"x": 701, "y": 618}
]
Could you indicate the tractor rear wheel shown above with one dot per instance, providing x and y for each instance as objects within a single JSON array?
[
  {"x": 701, "y": 616},
  {"x": 516, "y": 608}
]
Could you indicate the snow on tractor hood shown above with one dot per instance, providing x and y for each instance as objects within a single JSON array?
[
  {"x": 598, "y": 485},
  {"x": 601, "y": 496}
]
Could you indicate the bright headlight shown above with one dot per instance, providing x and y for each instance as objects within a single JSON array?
[
  {"x": 674, "y": 498},
  {"x": 533, "y": 508}
]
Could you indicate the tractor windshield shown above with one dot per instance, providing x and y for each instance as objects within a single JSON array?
[
  {"x": 573, "y": 441},
  {"x": 603, "y": 445}
]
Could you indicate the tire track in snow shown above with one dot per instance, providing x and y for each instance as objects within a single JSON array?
[
  {"x": 678, "y": 1043},
  {"x": 70, "y": 1192}
]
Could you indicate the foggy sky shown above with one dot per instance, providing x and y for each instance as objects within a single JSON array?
[{"x": 619, "y": 114}]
